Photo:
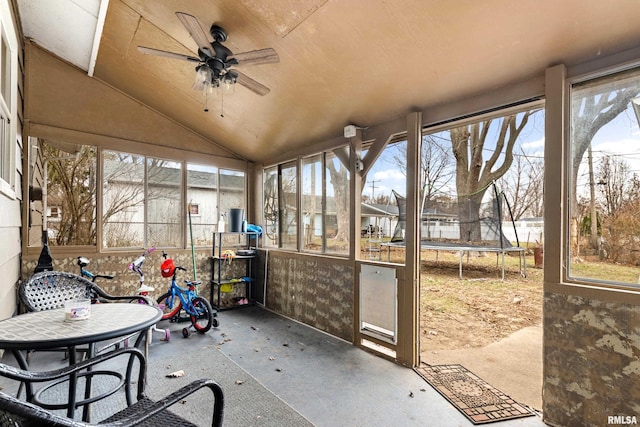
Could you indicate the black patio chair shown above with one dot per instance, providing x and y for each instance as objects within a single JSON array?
[{"x": 140, "y": 412}]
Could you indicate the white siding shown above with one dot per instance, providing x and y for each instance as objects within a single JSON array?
[{"x": 10, "y": 217}]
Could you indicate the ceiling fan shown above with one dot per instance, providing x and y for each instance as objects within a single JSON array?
[{"x": 214, "y": 60}]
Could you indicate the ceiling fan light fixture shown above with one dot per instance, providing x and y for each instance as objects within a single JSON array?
[
  {"x": 229, "y": 82},
  {"x": 204, "y": 75},
  {"x": 214, "y": 59}
]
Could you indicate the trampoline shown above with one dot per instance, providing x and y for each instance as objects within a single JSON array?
[
  {"x": 461, "y": 249},
  {"x": 463, "y": 225}
]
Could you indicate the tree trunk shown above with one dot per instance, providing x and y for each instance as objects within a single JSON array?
[
  {"x": 340, "y": 180},
  {"x": 469, "y": 214}
]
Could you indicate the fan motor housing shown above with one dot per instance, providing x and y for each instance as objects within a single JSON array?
[{"x": 218, "y": 33}]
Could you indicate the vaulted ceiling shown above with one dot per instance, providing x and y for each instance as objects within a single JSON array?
[{"x": 357, "y": 61}]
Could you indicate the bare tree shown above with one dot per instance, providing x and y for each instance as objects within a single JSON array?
[
  {"x": 474, "y": 172},
  {"x": 339, "y": 176},
  {"x": 522, "y": 186},
  {"x": 593, "y": 106},
  {"x": 71, "y": 186},
  {"x": 436, "y": 166},
  {"x": 614, "y": 180}
]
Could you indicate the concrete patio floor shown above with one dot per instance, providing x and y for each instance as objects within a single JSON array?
[
  {"x": 513, "y": 364},
  {"x": 331, "y": 382},
  {"x": 327, "y": 380}
]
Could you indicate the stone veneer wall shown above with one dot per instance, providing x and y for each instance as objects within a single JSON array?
[
  {"x": 126, "y": 282},
  {"x": 317, "y": 291},
  {"x": 591, "y": 361}
]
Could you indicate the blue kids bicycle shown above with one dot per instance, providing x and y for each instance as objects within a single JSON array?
[{"x": 177, "y": 299}]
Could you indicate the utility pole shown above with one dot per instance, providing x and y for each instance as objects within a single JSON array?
[
  {"x": 373, "y": 189},
  {"x": 595, "y": 242}
]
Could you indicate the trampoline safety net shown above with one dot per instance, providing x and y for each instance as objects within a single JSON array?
[{"x": 460, "y": 221}]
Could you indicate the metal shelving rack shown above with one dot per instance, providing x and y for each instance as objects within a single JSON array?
[{"x": 222, "y": 269}]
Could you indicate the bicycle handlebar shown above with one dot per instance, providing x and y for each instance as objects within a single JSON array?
[
  {"x": 135, "y": 265},
  {"x": 83, "y": 262}
]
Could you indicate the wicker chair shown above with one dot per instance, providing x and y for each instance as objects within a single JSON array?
[
  {"x": 50, "y": 289},
  {"x": 143, "y": 412}
]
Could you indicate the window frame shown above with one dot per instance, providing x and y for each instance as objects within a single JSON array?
[
  {"x": 183, "y": 242},
  {"x": 566, "y": 278},
  {"x": 274, "y": 173},
  {"x": 8, "y": 108}
]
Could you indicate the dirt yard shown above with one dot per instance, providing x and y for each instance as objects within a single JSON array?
[{"x": 480, "y": 308}]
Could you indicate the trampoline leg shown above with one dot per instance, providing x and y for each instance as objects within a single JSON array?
[{"x": 461, "y": 254}]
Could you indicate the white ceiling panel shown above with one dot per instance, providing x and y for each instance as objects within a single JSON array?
[{"x": 65, "y": 27}]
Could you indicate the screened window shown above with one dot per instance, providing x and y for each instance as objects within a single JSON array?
[
  {"x": 336, "y": 215},
  {"x": 280, "y": 206},
  {"x": 312, "y": 203},
  {"x": 232, "y": 192},
  {"x": 70, "y": 193},
  {"x": 604, "y": 194},
  {"x": 123, "y": 213},
  {"x": 141, "y": 198},
  {"x": 271, "y": 207},
  {"x": 325, "y": 204},
  {"x": 202, "y": 199},
  {"x": 163, "y": 203},
  {"x": 288, "y": 206}
]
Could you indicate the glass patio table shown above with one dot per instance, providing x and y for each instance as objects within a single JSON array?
[{"x": 48, "y": 330}]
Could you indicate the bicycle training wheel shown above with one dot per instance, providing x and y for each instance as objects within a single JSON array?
[
  {"x": 203, "y": 318},
  {"x": 165, "y": 303}
]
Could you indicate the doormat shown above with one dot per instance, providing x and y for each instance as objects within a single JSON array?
[{"x": 478, "y": 401}]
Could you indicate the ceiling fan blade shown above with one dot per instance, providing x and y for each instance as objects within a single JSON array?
[
  {"x": 256, "y": 57},
  {"x": 251, "y": 84},
  {"x": 151, "y": 51},
  {"x": 197, "y": 32}
]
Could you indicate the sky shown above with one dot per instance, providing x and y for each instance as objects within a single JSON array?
[
  {"x": 385, "y": 175},
  {"x": 620, "y": 137}
]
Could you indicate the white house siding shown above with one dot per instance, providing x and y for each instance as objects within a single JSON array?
[
  {"x": 9, "y": 254},
  {"x": 529, "y": 230},
  {"x": 10, "y": 217}
]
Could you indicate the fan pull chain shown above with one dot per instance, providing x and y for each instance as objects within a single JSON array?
[
  {"x": 206, "y": 100},
  {"x": 222, "y": 104}
]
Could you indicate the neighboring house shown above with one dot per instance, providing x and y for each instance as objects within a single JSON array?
[
  {"x": 529, "y": 230},
  {"x": 378, "y": 220}
]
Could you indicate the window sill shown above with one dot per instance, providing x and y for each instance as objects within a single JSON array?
[{"x": 7, "y": 190}]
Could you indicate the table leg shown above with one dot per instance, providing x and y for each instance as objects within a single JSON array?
[
  {"x": 86, "y": 411},
  {"x": 73, "y": 377},
  {"x": 23, "y": 362},
  {"x": 143, "y": 339}
]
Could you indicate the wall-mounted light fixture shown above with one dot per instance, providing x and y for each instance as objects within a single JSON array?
[{"x": 350, "y": 131}]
